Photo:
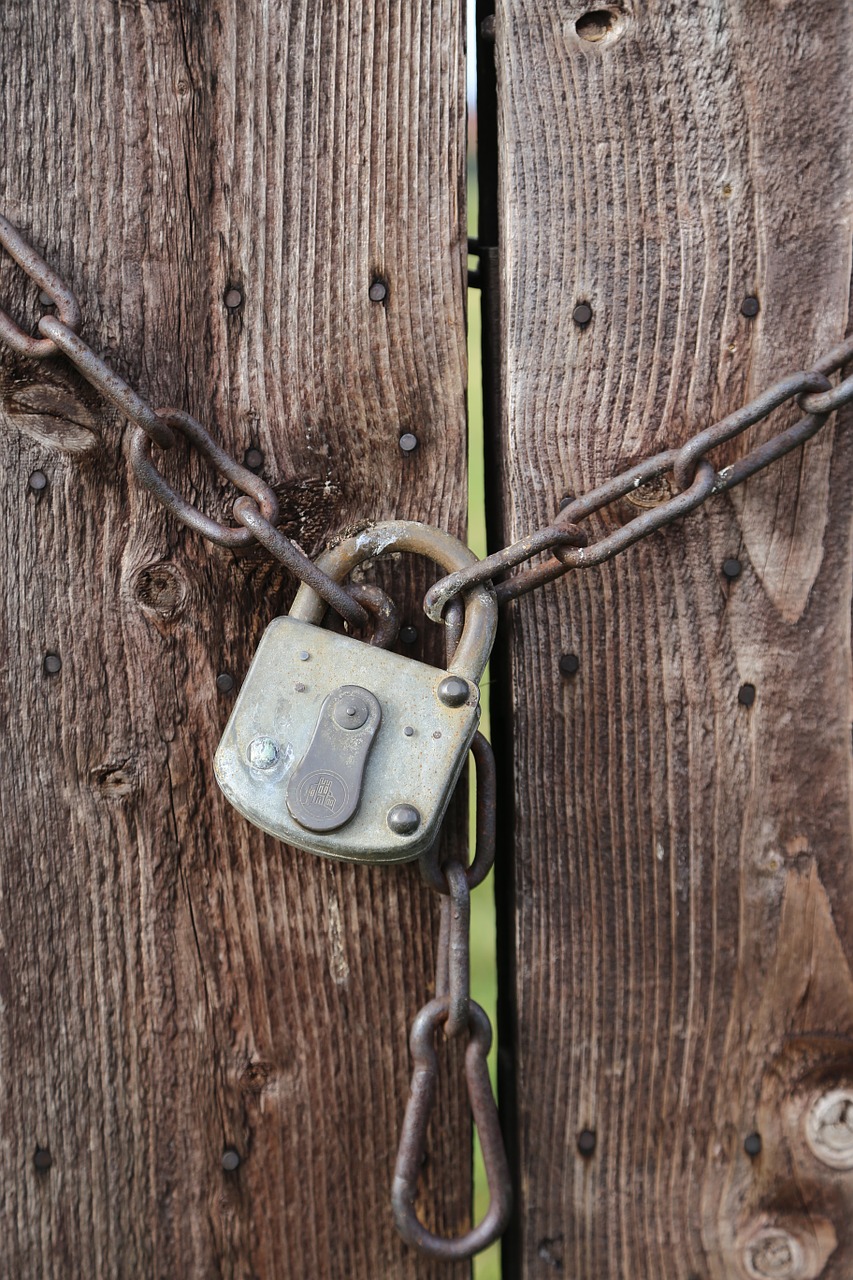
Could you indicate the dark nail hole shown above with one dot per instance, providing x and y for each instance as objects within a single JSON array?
[
  {"x": 52, "y": 663},
  {"x": 378, "y": 290},
  {"x": 42, "y": 1159},
  {"x": 582, "y": 314},
  {"x": 569, "y": 664},
  {"x": 586, "y": 1142},
  {"x": 732, "y": 568},
  {"x": 408, "y": 442},
  {"x": 253, "y": 460},
  {"x": 37, "y": 481},
  {"x": 408, "y": 634},
  {"x": 595, "y": 25},
  {"x": 224, "y": 682},
  {"x": 752, "y": 1144},
  {"x": 746, "y": 695},
  {"x": 230, "y": 1159},
  {"x": 233, "y": 297},
  {"x": 750, "y": 306}
]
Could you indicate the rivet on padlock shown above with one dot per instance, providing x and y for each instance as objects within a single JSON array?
[{"x": 372, "y": 786}]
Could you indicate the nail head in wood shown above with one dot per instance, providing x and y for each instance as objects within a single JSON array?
[
  {"x": 230, "y": 1159},
  {"x": 42, "y": 1159},
  {"x": 253, "y": 460},
  {"x": 569, "y": 664},
  {"x": 224, "y": 682},
  {"x": 582, "y": 314},
  {"x": 378, "y": 291},
  {"x": 408, "y": 442},
  {"x": 408, "y": 634},
  {"x": 750, "y": 306},
  {"x": 586, "y": 1142},
  {"x": 52, "y": 663},
  {"x": 233, "y": 297},
  {"x": 746, "y": 695},
  {"x": 37, "y": 481},
  {"x": 732, "y": 568},
  {"x": 752, "y": 1145}
]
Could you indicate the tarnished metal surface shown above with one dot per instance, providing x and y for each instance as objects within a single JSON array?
[
  {"x": 324, "y": 790},
  {"x": 67, "y": 307},
  {"x": 478, "y": 634},
  {"x": 417, "y": 755},
  {"x": 243, "y": 479},
  {"x": 455, "y": 1011},
  {"x": 694, "y": 479},
  {"x": 412, "y": 1149},
  {"x": 484, "y": 852},
  {"x": 456, "y": 906}
]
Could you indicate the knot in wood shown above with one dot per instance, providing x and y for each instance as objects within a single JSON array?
[
  {"x": 788, "y": 1248},
  {"x": 829, "y": 1128},
  {"x": 160, "y": 591},
  {"x": 775, "y": 1253}
]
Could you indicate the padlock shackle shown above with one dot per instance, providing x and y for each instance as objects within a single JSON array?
[{"x": 481, "y": 610}]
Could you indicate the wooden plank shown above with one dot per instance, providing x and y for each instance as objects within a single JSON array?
[
  {"x": 173, "y": 982},
  {"x": 682, "y": 915}
]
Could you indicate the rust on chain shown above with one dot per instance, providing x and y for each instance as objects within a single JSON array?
[
  {"x": 412, "y": 1149},
  {"x": 811, "y": 390},
  {"x": 288, "y": 554},
  {"x": 246, "y": 481},
  {"x": 455, "y": 936},
  {"x": 382, "y": 609},
  {"x": 67, "y": 306},
  {"x": 431, "y": 869},
  {"x": 104, "y": 379}
]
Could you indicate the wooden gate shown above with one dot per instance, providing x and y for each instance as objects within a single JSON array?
[{"x": 261, "y": 208}]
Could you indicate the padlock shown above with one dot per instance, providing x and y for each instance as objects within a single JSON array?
[{"x": 345, "y": 749}]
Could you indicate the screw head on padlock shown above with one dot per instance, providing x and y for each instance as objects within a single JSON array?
[{"x": 345, "y": 749}]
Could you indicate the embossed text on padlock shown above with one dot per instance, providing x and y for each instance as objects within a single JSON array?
[{"x": 428, "y": 716}]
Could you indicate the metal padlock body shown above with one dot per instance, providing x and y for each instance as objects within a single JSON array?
[{"x": 416, "y": 753}]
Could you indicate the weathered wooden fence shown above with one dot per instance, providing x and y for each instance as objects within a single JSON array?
[{"x": 261, "y": 208}]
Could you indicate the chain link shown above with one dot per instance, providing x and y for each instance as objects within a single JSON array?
[
  {"x": 693, "y": 478},
  {"x": 257, "y": 511},
  {"x": 453, "y": 1010}
]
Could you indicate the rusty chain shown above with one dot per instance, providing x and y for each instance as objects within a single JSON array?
[
  {"x": 694, "y": 479},
  {"x": 453, "y": 1010}
]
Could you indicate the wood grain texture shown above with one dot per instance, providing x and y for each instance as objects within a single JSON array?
[
  {"x": 682, "y": 876},
  {"x": 171, "y": 981}
]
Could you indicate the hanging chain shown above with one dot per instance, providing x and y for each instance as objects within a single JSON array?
[
  {"x": 453, "y": 1010},
  {"x": 257, "y": 511}
]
